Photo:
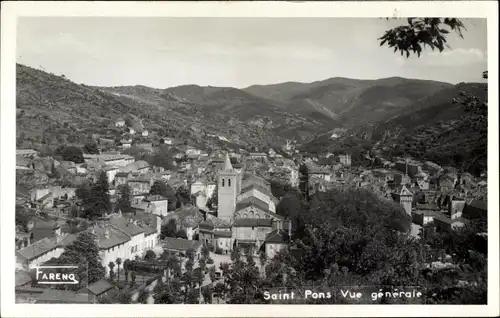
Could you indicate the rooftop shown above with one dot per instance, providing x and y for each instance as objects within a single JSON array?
[
  {"x": 179, "y": 244},
  {"x": 98, "y": 288},
  {"x": 277, "y": 236},
  {"x": 252, "y": 223}
]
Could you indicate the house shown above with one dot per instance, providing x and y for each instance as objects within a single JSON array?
[
  {"x": 44, "y": 249},
  {"x": 144, "y": 133},
  {"x": 272, "y": 153},
  {"x": 125, "y": 237},
  {"x": 120, "y": 123},
  {"x": 319, "y": 173},
  {"x": 182, "y": 246},
  {"x": 251, "y": 232},
  {"x": 148, "y": 147},
  {"x": 58, "y": 296},
  {"x": 131, "y": 130},
  {"x": 190, "y": 151},
  {"x": 166, "y": 141},
  {"x": 475, "y": 209},
  {"x": 97, "y": 290},
  {"x": 26, "y": 153},
  {"x": 345, "y": 159},
  {"x": 111, "y": 172},
  {"x": 160, "y": 204},
  {"x": 70, "y": 166},
  {"x": 141, "y": 184},
  {"x": 257, "y": 155},
  {"x": 277, "y": 240},
  {"x": 122, "y": 178},
  {"x": 125, "y": 143},
  {"x": 140, "y": 166},
  {"x": 444, "y": 223}
]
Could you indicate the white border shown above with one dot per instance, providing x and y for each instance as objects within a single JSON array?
[{"x": 11, "y": 10}]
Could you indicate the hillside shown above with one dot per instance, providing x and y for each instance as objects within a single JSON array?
[
  {"x": 53, "y": 111},
  {"x": 432, "y": 128},
  {"x": 231, "y": 107},
  {"x": 349, "y": 101}
]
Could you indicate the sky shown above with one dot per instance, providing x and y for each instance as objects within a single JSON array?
[{"x": 236, "y": 52}]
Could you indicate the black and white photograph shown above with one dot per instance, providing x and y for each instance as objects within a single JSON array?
[{"x": 252, "y": 160}]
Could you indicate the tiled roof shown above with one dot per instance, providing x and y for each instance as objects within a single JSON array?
[
  {"x": 479, "y": 204},
  {"x": 152, "y": 198},
  {"x": 206, "y": 225},
  {"x": 146, "y": 221},
  {"x": 116, "y": 237},
  {"x": 25, "y": 151},
  {"x": 252, "y": 201},
  {"x": 99, "y": 287},
  {"x": 178, "y": 244},
  {"x": 62, "y": 296},
  {"x": 45, "y": 245},
  {"x": 252, "y": 223},
  {"x": 125, "y": 225},
  {"x": 258, "y": 187},
  {"x": 277, "y": 236},
  {"x": 22, "y": 278},
  {"x": 223, "y": 233}
]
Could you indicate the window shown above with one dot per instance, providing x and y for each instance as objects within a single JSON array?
[
  {"x": 228, "y": 182},
  {"x": 222, "y": 182}
]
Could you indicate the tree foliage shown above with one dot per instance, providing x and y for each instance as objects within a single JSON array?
[
  {"x": 161, "y": 188},
  {"x": 84, "y": 253},
  {"x": 124, "y": 197},
  {"x": 70, "y": 153},
  {"x": 419, "y": 33}
]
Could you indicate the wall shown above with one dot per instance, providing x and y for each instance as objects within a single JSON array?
[
  {"x": 251, "y": 212},
  {"x": 273, "y": 248},
  {"x": 112, "y": 254},
  {"x": 45, "y": 257}
]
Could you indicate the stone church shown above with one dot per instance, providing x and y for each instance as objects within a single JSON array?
[{"x": 247, "y": 204}]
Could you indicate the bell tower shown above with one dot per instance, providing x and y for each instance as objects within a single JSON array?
[
  {"x": 406, "y": 199},
  {"x": 228, "y": 184}
]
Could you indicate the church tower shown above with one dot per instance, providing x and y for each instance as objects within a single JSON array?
[
  {"x": 406, "y": 199},
  {"x": 228, "y": 184}
]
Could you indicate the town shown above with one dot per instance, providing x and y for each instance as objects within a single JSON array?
[
  {"x": 210, "y": 161},
  {"x": 197, "y": 208}
]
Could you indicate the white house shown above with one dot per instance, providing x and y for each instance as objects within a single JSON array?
[
  {"x": 145, "y": 133},
  {"x": 111, "y": 172},
  {"x": 120, "y": 123},
  {"x": 44, "y": 249}
]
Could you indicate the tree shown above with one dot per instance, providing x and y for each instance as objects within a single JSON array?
[
  {"x": 99, "y": 200},
  {"x": 427, "y": 32},
  {"x": 91, "y": 148},
  {"x": 133, "y": 277},
  {"x": 161, "y": 188},
  {"x": 291, "y": 206},
  {"x": 150, "y": 256},
  {"x": 143, "y": 296},
  {"x": 71, "y": 153},
  {"x": 111, "y": 266},
  {"x": 124, "y": 197},
  {"x": 169, "y": 229},
  {"x": 118, "y": 263},
  {"x": 279, "y": 189},
  {"x": 84, "y": 252},
  {"x": 212, "y": 202},
  {"x": 183, "y": 196}
]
